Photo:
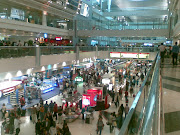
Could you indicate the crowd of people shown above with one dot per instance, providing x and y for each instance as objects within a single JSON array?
[
  {"x": 50, "y": 119},
  {"x": 170, "y": 52}
]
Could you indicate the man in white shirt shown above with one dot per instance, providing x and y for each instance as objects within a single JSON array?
[
  {"x": 162, "y": 49},
  {"x": 17, "y": 123}
]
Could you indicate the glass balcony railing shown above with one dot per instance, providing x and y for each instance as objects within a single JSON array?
[
  {"x": 17, "y": 51},
  {"x": 13, "y": 52},
  {"x": 129, "y": 49},
  {"x": 50, "y": 50},
  {"x": 144, "y": 115}
]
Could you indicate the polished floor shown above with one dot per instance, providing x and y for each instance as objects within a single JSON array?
[{"x": 171, "y": 96}]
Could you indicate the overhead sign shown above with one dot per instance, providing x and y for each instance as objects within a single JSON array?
[
  {"x": 45, "y": 35},
  {"x": 115, "y": 54},
  {"x": 79, "y": 79},
  {"x": 143, "y": 55},
  {"x": 58, "y": 38},
  {"x": 129, "y": 55}
]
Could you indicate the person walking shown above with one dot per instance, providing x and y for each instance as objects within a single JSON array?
[
  {"x": 142, "y": 77},
  {"x": 131, "y": 91},
  {"x": 175, "y": 51},
  {"x": 33, "y": 114},
  {"x": 137, "y": 81},
  {"x": 51, "y": 106},
  {"x": 126, "y": 109},
  {"x": 145, "y": 71},
  {"x": 22, "y": 101},
  {"x": 162, "y": 49},
  {"x": 66, "y": 130},
  {"x": 82, "y": 112},
  {"x": 113, "y": 95},
  {"x": 11, "y": 122},
  {"x": 100, "y": 126},
  {"x": 110, "y": 123},
  {"x": 3, "y": 109},
  {"x": 121, "y": 110},
  {"x": 46, "y": 124},
  {"x": 46, "y": 106},
  {"x": 42, "y": 112},
  {"x": 60, "y": 121},
  {"x": 38, "y": 127},
  {"x": 17, "y": 123},
  {"x": 55, "y": 110}
]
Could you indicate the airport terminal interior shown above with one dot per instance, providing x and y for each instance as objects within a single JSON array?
[{"x": 89, "y": 67}]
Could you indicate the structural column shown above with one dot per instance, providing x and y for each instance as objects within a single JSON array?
[
  {"x": 109, "y": 5},
  {"x": 38, "y": 56},
  {"x": 97, "y": 53},
  {"x": 44, "y": 18},
  {"x": 77, "y": 54}
]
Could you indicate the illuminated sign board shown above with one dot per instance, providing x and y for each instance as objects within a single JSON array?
[
  {"x": 58, "y": 38},
  {"x": 115, "y": 54},
  {"x": 129, "y": 55},
  {"x": 85, "y": 100},
  {"x": 79, "y": 79},
  {"x": 45, "y": 35},
  {"x": 143, "y": 55}
]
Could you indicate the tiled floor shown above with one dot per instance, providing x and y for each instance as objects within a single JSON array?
[{"x": 171, "y": 95}]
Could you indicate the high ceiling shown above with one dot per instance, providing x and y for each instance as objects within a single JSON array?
[
  {"x": 139, "y": 4},
  {"x": 136, "y": 10}
]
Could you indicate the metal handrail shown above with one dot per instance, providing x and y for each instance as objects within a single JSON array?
[
  {"x": 124, "y": 128},
  {"x": 152, "y": 103}
]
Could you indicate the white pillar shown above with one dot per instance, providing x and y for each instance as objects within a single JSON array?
[
  {"x": 44, "y": 19},
  {"x": 109, "y": 5}
]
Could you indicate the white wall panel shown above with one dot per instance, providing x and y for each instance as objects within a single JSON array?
[
  {"x": 103, "y": 54},
  {"x": 83, "y": 55},
  {"x": 53, "y": 59},
  {"x": 14, "y": 64}
]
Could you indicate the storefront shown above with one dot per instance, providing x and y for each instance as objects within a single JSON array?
[{"x": 13, "y": 90}]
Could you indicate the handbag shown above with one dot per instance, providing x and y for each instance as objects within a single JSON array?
[{"x": 107, "y": 123}]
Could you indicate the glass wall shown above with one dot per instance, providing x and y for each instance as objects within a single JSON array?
[
  {"x": 29, "y": 15},
  {"x": 19, "y": 13},
  {"x": 112, "y": 25}
]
